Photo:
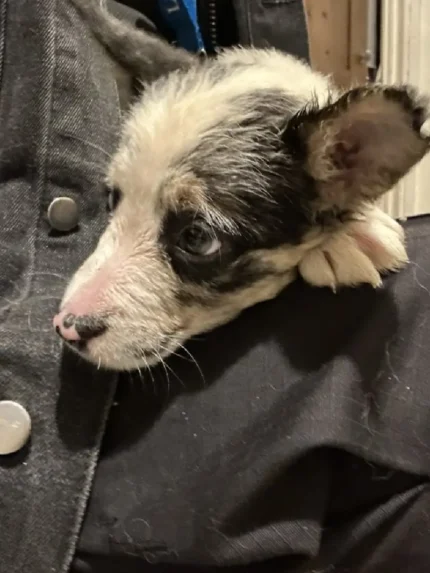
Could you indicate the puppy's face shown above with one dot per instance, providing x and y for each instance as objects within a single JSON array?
[{"x": 218, "y": 190}]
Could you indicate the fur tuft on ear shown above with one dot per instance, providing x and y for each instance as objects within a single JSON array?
[
  {"x": 358, "y": 147},
  {"x": 357, "y": 253}
]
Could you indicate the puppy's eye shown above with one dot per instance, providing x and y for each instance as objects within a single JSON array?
[
  {"x": 199, "y": 241},
  {"x": 113, "y": 197}
]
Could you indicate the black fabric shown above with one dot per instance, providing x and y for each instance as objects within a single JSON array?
[
  {"x": 273, "y": 23},
  {"x": 299, "y": 443}
]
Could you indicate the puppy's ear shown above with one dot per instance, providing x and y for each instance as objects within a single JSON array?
[{"x": 358, "y": 147}]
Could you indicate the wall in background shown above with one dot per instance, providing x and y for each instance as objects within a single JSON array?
[
  {"x": 347, "y": 37},
  {"x": 338, "y": 38},
  {"x": 405, "y": 58}
]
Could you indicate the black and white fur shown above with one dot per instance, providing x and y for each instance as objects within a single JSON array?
[{"x": 233, "y": 175}]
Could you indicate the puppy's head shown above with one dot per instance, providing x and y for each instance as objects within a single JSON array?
[{"x": 226, "y": 179}]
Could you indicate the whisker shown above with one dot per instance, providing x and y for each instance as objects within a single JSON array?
[
  {"x": 147, "y": 369},
  {"x": 163, "y": 364},
  {"x": 87, "y": 142},
  {"x": 193, "y": 360},
  {"x": 37, "y": 297},
  {"x": 48, "y": 274},
  {"x": 23, "y": 302},
  {"x": 181, "y": 382}
]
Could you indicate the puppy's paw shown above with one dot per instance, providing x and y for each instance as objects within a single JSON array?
[{"x": 357, "y": 253}]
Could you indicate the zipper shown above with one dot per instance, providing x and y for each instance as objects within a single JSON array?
[
  {"x": 207, "y": 15},
  {"x": 213, "y": 25}
]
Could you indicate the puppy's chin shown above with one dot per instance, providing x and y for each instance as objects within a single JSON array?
[{"x": 119, "y": 359}]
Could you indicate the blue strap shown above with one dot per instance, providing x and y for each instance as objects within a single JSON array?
[{"x": 181, "y": 16}]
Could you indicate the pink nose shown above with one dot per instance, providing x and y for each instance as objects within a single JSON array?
[
  {"x": 74, "y": 328},
  {"x": 64, "y": 325}
]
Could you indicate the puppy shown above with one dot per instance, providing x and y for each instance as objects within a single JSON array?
[{"x": 232, "y": 175}]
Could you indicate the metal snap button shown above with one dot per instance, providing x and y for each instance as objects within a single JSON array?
[
  {"x": 15, "y": 427},
  {"x": 63, "y": 214}
]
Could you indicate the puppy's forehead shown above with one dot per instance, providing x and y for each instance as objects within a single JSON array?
[{"x": 179, "y": 113}]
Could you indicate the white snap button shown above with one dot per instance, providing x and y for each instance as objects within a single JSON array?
[{"x": 15, "y": 427}]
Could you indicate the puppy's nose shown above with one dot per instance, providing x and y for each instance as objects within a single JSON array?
[{"x": 78, "y": 328}]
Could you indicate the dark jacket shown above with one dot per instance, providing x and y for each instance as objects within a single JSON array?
[
  {"x": 299, "y": 443},
  {"x": 262, "y": 23}
]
